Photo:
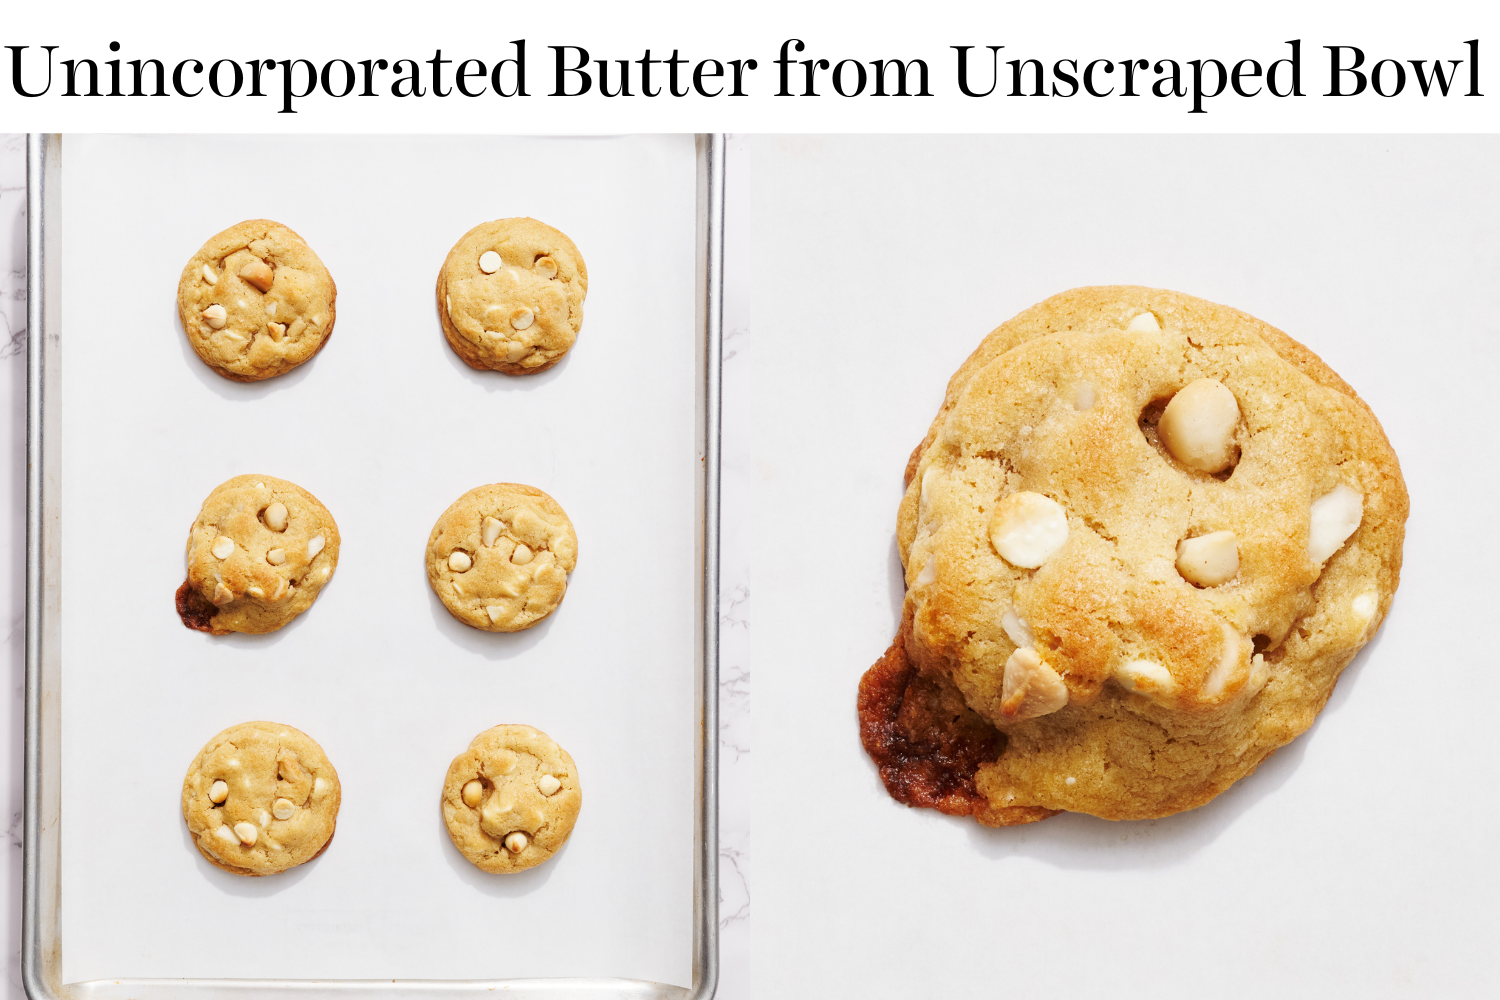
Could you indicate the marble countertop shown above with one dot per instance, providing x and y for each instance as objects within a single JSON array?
[{"x": 735, "y": 718}]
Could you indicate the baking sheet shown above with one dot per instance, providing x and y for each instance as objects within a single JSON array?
[
  {"x": 387, "y": 427},
  {"x": 1358, "y": 861}
]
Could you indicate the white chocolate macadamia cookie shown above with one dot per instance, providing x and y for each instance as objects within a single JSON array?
[
  {"x": 258, "y": 554},
  {"x": 260, "y": 798},
  {"x": 511, "y": 799},
  {"x": 510, "y": 296},
  {"x": 1141, "y": 540},
  {"x": 256, "y": 301},
  {"x": 499, "y": 558}
]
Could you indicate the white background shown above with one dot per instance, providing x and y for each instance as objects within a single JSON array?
[
  {"x": 1183, "y": 30},
  {"x": 1360, "y": 860},
  {"x": 387, "y": 427}
]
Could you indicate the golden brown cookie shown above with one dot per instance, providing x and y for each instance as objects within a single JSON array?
[
  {"x": 260, "y": 798},
  {"x": 256, "y": 301},
  {"x": 258, "y": 554},
  {"x": 510, "y": 296},
  {"x": 499, "y": 558},
  {"x": 511, "y": 799},
  {"x": 1141, "y": 540}
]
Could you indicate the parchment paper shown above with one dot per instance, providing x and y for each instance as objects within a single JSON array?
[{"x": 387, "y": 427}]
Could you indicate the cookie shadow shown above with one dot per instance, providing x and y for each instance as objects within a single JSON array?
[
  {"x": 249, "y": 886},
  {"x": 493, "y": 381},
  {"x": 490, "y": 645},
  {"x": 1081, "y": 842},
  {"x": 491, "y": 884},
  {"x": 230, "y": 389},
  {"x": 897, "y": 583}
]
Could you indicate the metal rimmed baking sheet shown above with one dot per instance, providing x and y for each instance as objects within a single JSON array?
[{"x": 386, "y": 432}]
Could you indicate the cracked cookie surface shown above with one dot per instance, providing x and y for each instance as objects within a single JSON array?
[
  {"x": 510, "y": 800},
  {"x": 256, "y": 301},
  {"x": 260, "y": 798},
  {"x": 510, "y": 296},
  {"x": 258, "y": 554},
  {"x": 1141, "y": 540},
  {"x": 500, "y": 556}
]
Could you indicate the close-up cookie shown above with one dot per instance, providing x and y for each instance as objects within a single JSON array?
[
  {"x": 1141, "y": 540},
  {"x": 510, "y": 296},
  {"x": 258, "y": 554},
  {"x": 260, "y": 798},
  {"x": 499, "y": 558},
  {"x": 511, "y": 799},
  {"x": 256, "y": 301}
]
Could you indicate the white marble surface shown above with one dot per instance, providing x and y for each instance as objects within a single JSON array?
[{"x": 735, "y": 727}]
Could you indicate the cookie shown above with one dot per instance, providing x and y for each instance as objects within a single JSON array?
[
  {"x": 510, "y": 296},
  {"x": 511, "y": 799},
  {"x": 499, "y": 558},
  {"x": 255, "y": 301},
  {"x": 1141, "y": 540},
  {"x": 260, "y": 798},
  {"x": 258, "y": 554}
]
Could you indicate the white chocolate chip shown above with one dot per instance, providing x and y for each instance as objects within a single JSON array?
[
  {"x": 283, "y": 808},
  {"x": 1364, "y": 605},
  {"x": 209, "y": 275},
  {"x": 1070, "y": 781},
  {"x": 270, "y": 308},
  {"x": 222, "y": 594},
  {"x": 1209, "y": 560},
  {"x": 1144, "y": 323},
  {"x": 276, "y": 516},
  {"x": 255, "y": 591},
  {"x": 496, "y": 612},
  {"x": 506, "y": 764},
  {"x": 1030, "y": 688},
  {"x": 260, "y": 486},
  {"x": 548, "y": 784},
  {"x": 1335, "y": 515},
  {"x": 263, "y": 818},
  {"x": 258, "y": 274},
  {"x": 215, "y": 316},
  {"x": 1197, "y": 427},
  {"x": 227, "y": 835},
  {"x": 277, "y": 331},
  {"x": 1015, "y": 626},
  {"x": 276, "y": 557},
  {"x": 314, "y": 546},
  {"x": 473, "y": 793},
  {"x": 515, "y": 351},
  {"x": 522, "y": 555},
  {"x": 522, "y": 318},
  {"x": 246, "y": 832},
  {"x": 1232, "y": 654},
  {"x": 320, "y": 787},
  {"x": 1028, "y": 529},
  {"x": 929, "y": 572},
  {"x": 515, "y": 842},
  {"x": 223, "y": 547},
  {"x": 546, "y": 267},
  {"x": 491, "y": 530},
  {"x": 489, "y": 262},
  {"x": 1083, "y": 396},
  {"x": 459, "y": 561},
  {"x": 218, "y": 792},
  {"x": 1144, "y": 676}
]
